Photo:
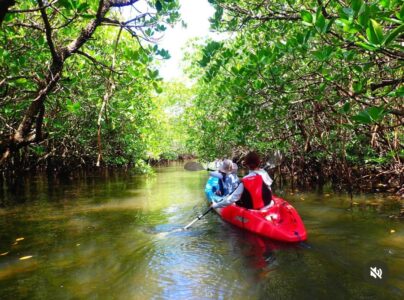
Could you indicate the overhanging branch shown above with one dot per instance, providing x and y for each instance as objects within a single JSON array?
[
  {"x": 92, "y": 59},
  {"x": 122, "y": 3}
]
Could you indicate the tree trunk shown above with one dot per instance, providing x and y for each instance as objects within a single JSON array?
[{"x": 30, "y": 129}]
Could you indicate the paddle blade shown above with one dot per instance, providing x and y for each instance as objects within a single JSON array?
[{"x": 193, "y": 166}]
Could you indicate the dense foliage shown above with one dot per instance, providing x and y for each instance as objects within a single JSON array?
[
  {"x": 319, "y": 80},
  {"x": 167, "y": 131},
  {"x": 78, "y": 81}
]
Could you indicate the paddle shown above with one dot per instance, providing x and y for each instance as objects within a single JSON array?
[{"x": 198, "y": 218}]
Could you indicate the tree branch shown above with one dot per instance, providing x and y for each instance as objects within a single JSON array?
[
  {"x": 36, "y": 27},
  {"x": 375, "y": 86},
  {"x": 96, "y": 61},
  {"x": 16, "y": 11},
  {"x": 88, "y": 31},
  {"x": 122, "y": 3},
  {"x": 48, "y": 31}
]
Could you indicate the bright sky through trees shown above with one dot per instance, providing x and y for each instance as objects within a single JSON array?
[{"x": 196, "y": 14}]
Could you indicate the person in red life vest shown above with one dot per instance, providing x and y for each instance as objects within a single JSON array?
[{"x": 254, "y": 191}]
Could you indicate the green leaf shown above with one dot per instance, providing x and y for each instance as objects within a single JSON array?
[
  {"x": 342, "y": 22},
  {"x": 348, "y": 55},
  {"x": 300, "y": 38},
  {"x": 66, "y": 4},
  {"x": 357, "y": 86},
  {"x": 356, "y": 5},
  {"x": 366, "y": 46},
  {"x": 82, "y": 7},
  {"x": 73, "y": 107},
  {"x": 346, "y": 107},
  {"x": 400, "y": 14},
  {"x": 328, "y": 25},
  {"x": 9, "y": 17},
  {"x": 87, "y": 16},
  {"x": 348, "y": 11},
  {"x": 397, "y": 93},
  {"x": 157, "y": 88},
  {"x": 159, "y": 6},
  {"x": 358, "y": 69},
  {"x": 363, "y": 118},
  {"x": 152, "y": 75},
  {"x": 370, "y": 115},
  {"x": 363, "y": 17},
  {"x": 321, "y": 24},
  {"x": 323, "y": 54},
  {"x": 374, "y": 32},
  {"x": 385, "y": 3},
  {"x": 21, "y": 81},
  {"x": 376, "y": 113},
  {"x": 149, "y": 32},
  {"x": 306, "y": 16},
  {"x": 393, "y": 34}
]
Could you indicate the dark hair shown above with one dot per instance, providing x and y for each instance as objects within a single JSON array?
[{"x": 252, "y": 160}]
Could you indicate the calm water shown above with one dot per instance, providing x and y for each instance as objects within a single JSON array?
[{"x": 118, "y": 238}]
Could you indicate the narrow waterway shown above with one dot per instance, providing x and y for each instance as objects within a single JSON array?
[{"x": 119, "y": 238}]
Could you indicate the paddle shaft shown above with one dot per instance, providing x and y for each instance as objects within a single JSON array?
[{"x": 198, "y": 218}]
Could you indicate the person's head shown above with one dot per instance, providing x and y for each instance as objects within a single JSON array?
[
  {"x": 226, "y": 166},
  {"x": 252, "y": 160}
]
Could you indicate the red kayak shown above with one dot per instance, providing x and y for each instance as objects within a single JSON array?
[{"x": 279, "y": 222}]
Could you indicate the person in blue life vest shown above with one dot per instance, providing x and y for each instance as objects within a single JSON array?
[
  {"x": 254, "y": 191},
  {"x": 227, "y": 175}
]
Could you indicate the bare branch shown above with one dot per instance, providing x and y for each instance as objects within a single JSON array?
[
  {"x": 48, "y": 30},
  {"x": 92, "y": 59},
  {"x": 384, "y": 83},
  {"x": 122, "y": 3},
  {"x": 36, "y": 27},
  {"x": 7, "y": 125},
  {"x": 32, "y": 9}
]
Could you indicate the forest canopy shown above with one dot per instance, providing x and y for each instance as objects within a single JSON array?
[
  {"x": 78, "y": 80},
  {"x": 320, "y": 82}
]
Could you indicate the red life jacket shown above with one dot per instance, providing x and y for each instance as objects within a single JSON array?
[{"x": 256, "y": 194}]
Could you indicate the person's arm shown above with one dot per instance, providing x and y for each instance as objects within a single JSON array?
[
  {"x": 265, "y": 177},
  {"x": 230, "y": 199},
  {"x": 216, "y": 174}
]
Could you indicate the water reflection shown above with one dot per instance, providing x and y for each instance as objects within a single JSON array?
[{"x": 121, "y": 238}]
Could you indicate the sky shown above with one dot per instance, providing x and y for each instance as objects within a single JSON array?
[{"x": 196, "y": 14}]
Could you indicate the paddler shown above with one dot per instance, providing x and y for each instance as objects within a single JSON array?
[
  {"x": 254, "y": 191},
  {"x": 227, "y": 175}
]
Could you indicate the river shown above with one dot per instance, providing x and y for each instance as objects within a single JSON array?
[{"x": 119, "y": 237}]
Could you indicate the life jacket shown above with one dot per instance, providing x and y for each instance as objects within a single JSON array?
[{"x": 256, "y": 194}]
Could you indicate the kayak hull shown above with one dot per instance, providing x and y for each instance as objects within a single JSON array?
[{"x": 279, "y": 222}]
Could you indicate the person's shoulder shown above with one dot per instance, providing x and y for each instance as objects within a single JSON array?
[
  {"x": 216, "y": 174},
  {"x": 250, "y": 173},
  {"x": 261, "y": 171}
]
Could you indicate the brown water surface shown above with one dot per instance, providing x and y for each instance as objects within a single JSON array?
[{"x": 118, "y": 238}]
